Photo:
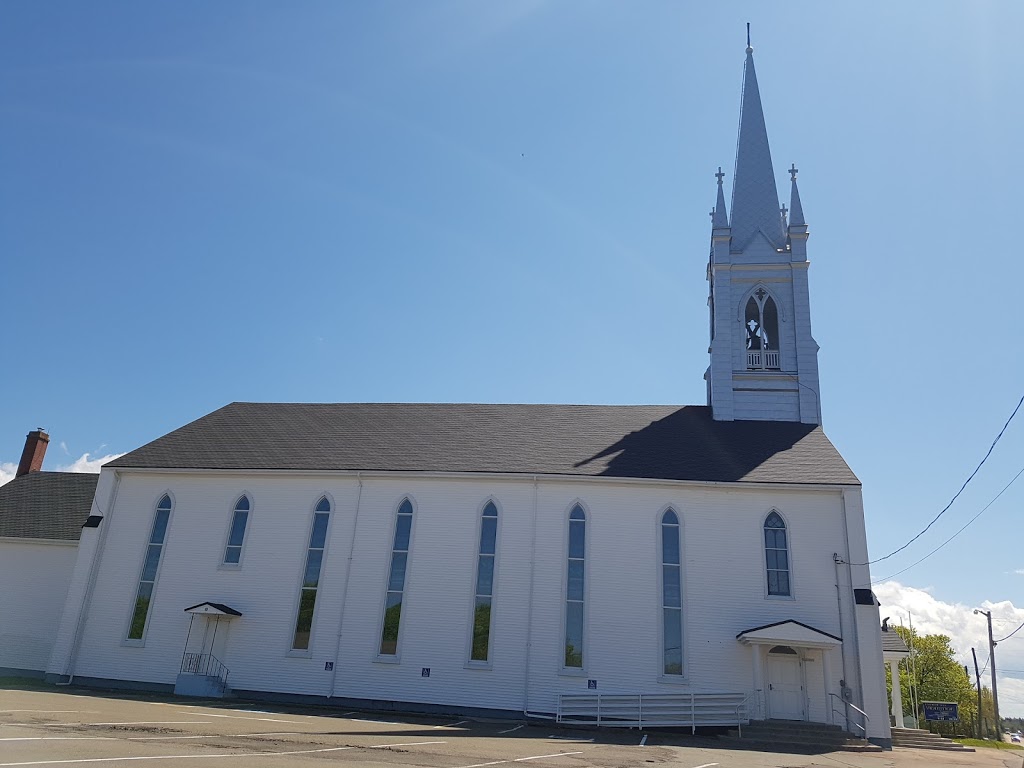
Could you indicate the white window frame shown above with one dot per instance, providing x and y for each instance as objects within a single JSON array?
[
  {"x": 396, "y": 658},
  {"x": 684, "y": 678},
  {"x": 471, "y": 663},
  {"x": 564, "y": 608},
  {"x": 224, "y": 565},
  {"x": 307, "y": 652},
  {"x": 139, "y": 642},
  {"x": 789, "y": 556}
]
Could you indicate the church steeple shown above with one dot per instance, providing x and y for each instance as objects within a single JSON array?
[
  {"x": 764, "y": 361},
  {"x": 755, "y": 199}
]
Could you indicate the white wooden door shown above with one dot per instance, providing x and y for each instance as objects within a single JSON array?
[{"x": 785, "y": 687}]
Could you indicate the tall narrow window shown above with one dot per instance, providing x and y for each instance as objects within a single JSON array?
[
  {"x": 671, "y": 596},
  {"x": 396, "y": 580},
  {"x": 144, "y": 595},
  {"x": 574, "y": 590},
  {"x": 484, "y": 584},
  {"x": 239, "y": 520},
  {"x": 761, "y": 320},
  {"x": 311, "y": 575},
  {"x": 776, "y": 555}
]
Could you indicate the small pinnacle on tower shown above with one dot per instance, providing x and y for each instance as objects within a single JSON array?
[
  {"x": 719, "y": 216},
  {"x": 796, "y": 210}
]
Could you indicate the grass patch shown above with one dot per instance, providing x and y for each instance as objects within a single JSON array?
[{"x": 985, "y": 744}]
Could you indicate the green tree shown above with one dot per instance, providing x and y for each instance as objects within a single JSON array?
[{"x": 937, "y": 676}]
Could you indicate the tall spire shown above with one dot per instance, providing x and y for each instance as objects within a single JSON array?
[
  {"x": 720, "y": 219},
  {"x": 755, "y": 199}
]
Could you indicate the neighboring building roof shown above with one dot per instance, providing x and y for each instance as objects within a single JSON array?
[
  {"x": 893, "y": 643},
  {"x": 46, "y": 505},
  {"x": 630, "y": 441}
]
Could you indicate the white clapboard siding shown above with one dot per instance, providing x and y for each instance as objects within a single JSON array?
[
  {"x": 723, "y": 572},
  {"x": 34, "y": 578}
]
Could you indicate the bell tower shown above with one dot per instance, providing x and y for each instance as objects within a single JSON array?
[{"x": 764, "y": 361}]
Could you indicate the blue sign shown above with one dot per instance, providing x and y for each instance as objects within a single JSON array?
[
  {"x": 941, "y": 711},
  {"x": 591, "y": 684},
  {"x": 425, "y": 672}
]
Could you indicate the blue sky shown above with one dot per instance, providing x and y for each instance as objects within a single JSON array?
[{"x": 508, "y": 202}]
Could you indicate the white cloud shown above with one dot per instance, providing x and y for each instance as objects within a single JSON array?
[
  {"x": 1019, "y": 571},
  {"x": 7, "y": 470},
  {"x": 932, "y": 616},
  {"x": 86, "y": 464}
]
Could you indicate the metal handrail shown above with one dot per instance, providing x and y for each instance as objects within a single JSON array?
[
  {"x": 862, "y": 728},
  {"x": 205, "y": 664},
  {"x": 846, "y": 716},
  {"x": 739, "y": 725}
]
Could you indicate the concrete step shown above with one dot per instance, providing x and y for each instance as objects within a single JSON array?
[
  {"x": 798, "y": 747},
  {"x": 796, "y": 736},
  {"x": 917, "y": 738}
]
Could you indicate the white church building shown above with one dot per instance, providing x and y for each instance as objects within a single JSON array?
[{"x": 683, "y": 565}]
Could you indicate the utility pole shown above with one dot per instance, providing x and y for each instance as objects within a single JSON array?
[
  {"x": 992, "y": 663},
  {"x": 977, "y": 676}
]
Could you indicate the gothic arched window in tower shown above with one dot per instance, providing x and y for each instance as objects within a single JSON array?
[{"x": 761, "y": 321}]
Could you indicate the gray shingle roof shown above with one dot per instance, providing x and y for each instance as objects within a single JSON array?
[
  {"x": 46, "y": 505},
  {"x": 893, "y": 643},
  {"x": 630, "y": 441}
]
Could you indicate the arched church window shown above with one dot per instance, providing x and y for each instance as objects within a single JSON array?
[
  {"x": 776, "y": 554},
  {"x": 671, "y": 596},
  {"x": 311, "y": 575},
  {"x": 761, "y": 323},
  {"x": 236, "y": 534},
  {"x": 480, "y": 650},
  {"x": 396, "y": 580},
  {"x": 150, "y": 566},
  {"x": 574, "y": 588}
]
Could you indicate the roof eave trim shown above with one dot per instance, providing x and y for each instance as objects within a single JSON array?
[
  {"x": 521, "y": 476},
  {"x": 36, "y": 540}
]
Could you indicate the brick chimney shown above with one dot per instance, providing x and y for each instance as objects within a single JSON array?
[{"x": 35, "y": 450}]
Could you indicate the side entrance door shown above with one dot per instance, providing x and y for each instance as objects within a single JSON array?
[{"x": 785, "y": 684}]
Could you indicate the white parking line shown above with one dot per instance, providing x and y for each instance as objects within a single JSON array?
[
  {"x": 407, "y": 744},
  {"x": 239, "y": 717},
  {"x": 524, "y": 759},
  {"x": 63, "y": 711},
  {"x": 59, "y": 738},
  {"x": 174, "y": 757},
  {"x": 152, "y": 722},
  {"x": 643, "y": 741},
  {"x": 541, "y": 757},
  {"x": 706, "y": 765},
  {"x": 452, "y": 725},
  {"x": 510, "y": 730}
]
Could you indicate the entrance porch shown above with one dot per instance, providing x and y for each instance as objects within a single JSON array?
[
  {"x": 792, "y": 673},
  {"x": 202, "y": 672}
]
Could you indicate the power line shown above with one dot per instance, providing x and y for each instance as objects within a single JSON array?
[
  {"x": 957, "y": 494},
  {"x": 1018, "y": 629},
  {"x": 962, "y": 529}
]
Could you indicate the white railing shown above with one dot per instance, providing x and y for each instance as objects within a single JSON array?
[
  {"x": 658, "y": 710},
  {"x": 846, "y": 714},
  {"x": 205, "y": 664},
  {"x": 763, "y": 359}
]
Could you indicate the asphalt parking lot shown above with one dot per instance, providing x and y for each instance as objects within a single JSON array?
[{"x": 74, "y": 727}]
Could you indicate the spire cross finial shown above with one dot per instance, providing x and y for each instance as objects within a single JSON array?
[
  {"x": 793, "y": 171},
  {"x": 748, "y": 37},
  {"x": 784, "y": 210},
  {"x": 719, "y": 175},
  {"x": 712, "y": 214}
]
